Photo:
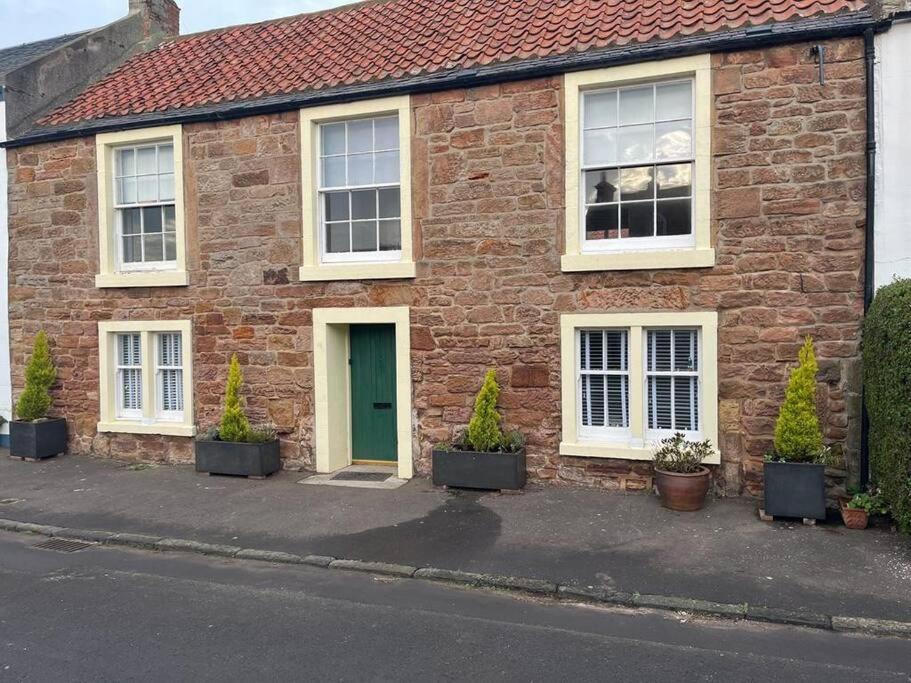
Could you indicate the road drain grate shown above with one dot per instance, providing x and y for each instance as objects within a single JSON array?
[
  {"x": 62, "y": 545},
  {"x": 361, "y": 476}
]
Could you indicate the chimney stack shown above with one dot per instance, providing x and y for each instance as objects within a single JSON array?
[{"x": 161, "y": 18}]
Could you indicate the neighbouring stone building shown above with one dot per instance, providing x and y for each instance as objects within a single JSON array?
[{"x": 473, "y": 204}]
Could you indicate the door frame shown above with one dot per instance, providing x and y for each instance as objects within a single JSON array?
[{"x": 332, "y": 383}]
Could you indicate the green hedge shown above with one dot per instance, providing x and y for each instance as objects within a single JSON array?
[{"x": 887, "y": 395}]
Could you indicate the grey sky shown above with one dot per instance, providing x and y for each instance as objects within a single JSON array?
[{"x": 23, "y": 21}]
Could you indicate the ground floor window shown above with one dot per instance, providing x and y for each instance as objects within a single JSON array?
[
  {"x": 632, "y": 379},
  {"x": 145, "y": 377}
]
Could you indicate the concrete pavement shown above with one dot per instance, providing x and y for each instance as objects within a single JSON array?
[
  {"x": 582, "y": 537},
  {"x": 113, "y": 615}
]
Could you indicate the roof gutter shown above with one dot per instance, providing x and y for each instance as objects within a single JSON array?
[{"x": 853, "y": 24}]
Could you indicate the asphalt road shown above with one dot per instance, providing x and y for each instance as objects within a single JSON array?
[{"x": 106, "y": 614}]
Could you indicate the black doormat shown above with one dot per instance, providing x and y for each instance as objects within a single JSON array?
[{"x": 361, "y": 476}]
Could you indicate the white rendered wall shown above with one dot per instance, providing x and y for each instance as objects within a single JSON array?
[
  {"x": 5, "y": 388},
  {"x": 892, "y": 228}
]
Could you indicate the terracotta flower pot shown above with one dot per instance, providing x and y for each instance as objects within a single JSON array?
[
  {"x": 683, "y": 492},
  {"x": 854, "y": 518}
]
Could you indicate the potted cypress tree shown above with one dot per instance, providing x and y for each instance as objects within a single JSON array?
[
  {"x": 234, "y": 447},
  {"x": 33, "y": 435},
  {"x": 483, "y": 457},
  {"x": 794, "y": 472}
]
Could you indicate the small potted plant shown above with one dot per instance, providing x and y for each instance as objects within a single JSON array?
[
  {"x": 680, "y": 476},
  {"x": 483, "y": 457},
  {"x": 856, "y": 511},
  {"x": 33, "y": 435},
  {"x": 234, "y": 447},
  {"x": 794, "y": 472}
]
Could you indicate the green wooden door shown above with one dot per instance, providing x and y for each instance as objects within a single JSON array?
[{"x": 373, "y": 392}]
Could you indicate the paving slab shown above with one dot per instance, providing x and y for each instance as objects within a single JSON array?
[{"x": 594, "y": 540}]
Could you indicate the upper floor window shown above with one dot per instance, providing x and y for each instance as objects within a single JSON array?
[
  {"x": 638, "y": 166},
  {"x": 141, "y": 235},
  {"x": 637, "y": 171},
  {"x": 356, "y": 178},
  {"x": 144, "y": 206},
  {"x": 359, "y": 190}
]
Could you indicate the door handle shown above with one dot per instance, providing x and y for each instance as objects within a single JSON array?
[{"x": 382, "y": 406}]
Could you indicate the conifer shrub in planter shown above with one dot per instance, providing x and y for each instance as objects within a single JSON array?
[
  {"x": 887, "y": 396},
  {"x": 33, "y": 435},
  {"x": 681, "y": 478},
  {"x": 794, "y": 472},
  {"x": 234, "y": 447},
  {"x": 482, "y": 457}
]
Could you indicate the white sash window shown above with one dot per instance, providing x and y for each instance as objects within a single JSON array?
[
  {"x": 169, "y": 376},
  {"x": 129, "y": 376}
]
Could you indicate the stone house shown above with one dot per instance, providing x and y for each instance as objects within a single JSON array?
[
  {"x": 38, "y": 77},
  {"x": 633, "y": 211}
]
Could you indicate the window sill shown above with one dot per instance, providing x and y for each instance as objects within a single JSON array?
[
  {"x": 160, "y": 428},
  {"x": 146, "y": 278},
  {"x": 618, "y": 451},
  {"x": 358, "y": 271},
  {"x": 638, "y": 260}
]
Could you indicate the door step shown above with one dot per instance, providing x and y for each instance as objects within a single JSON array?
[{"x": 359, "y": 476}]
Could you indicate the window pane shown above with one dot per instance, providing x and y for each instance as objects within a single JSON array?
[
  {"x": 363, "y": 236},
  {"x": 617, "y": 400},
  {"x": 600, "y": 109},
  {"x": 129, "y": 221},
  {"x": 659, "y": 350},
  {"x": 387, "y": 167},
  {"x": 151, "y": 219},
  {"x": 125, "y": 164},
  {"x": 599, "y": 146},
  {"x": 166, "y": 187},
  {"x": 336, "y": 206},
  {"x": 129, "y": 349},
  {"x": 170, "y": 352},
  {"x": 636, "y": 143},
  {"x": 637, "y": 105},
  {"x": 685, "y": 350},
  {"x": 132, "y": 249},
  {"x": 593, "y": 400},
  {"x": 363, "y": 204},
  {"x": 601, "y": 186},
  {"x": 170, "y": 246},
  {"x": 686, "y": 401},
  {"x": 166, "y": 158},
  {"x": 131, "y": 389},
  {"x": 386, "y": 132},
  {"x": 360, "y": 169},
  {"x": 674, "y": 180},
  {"x": 154, "y": 248},
  {"x": 592, "y": 352},
  {"x": 674, "y": 217},
  {"x": 171, "y": 390},
  {"x": 601, "y": 222},
  {"x": 169, "y": 224},
  {"x": 616, "y": 350},
  {"x": 148, "y": 189},
  {"x": 659, "y": 403},
  {"x": 673, "y": 140},
  {"x": 675, "y": 101},
  {"x": 390, "y": 235},
  {"x": 637, "y": 220},
  {"x": 333, "y": 138},
  {"x": 637, "y": 183},
  {"x": 333, "y": 173},
  {"x": 360, "y": 136},
  {"x": 337, "y": 238},
  {"x": 127, "y": 187},
  {"x": 145, "y": 159},
  {"x": 390, "y": 203}
]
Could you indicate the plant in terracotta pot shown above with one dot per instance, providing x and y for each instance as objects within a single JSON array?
[
  {"x": 33, "y": 435},
  {"x": 681, "y": 478},
  {"x": 794, "y": 472},
  {"x": 483, "y": 456},
  {"x": 234, "y": 447},
  {"x": 856, "y": 511}
]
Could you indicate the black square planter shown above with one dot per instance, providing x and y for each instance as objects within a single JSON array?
[
  {"x": 241, "y": 459},
  {"x": 473, "y": 470},
  {"x": 795, "y": 489},
  {"x": 37, "y": 440}
]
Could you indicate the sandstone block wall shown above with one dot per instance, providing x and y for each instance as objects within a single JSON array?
[{"x": 488, "y": 220}]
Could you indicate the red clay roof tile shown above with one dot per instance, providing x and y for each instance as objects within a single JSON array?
[{"x": 384, "y": 39}]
